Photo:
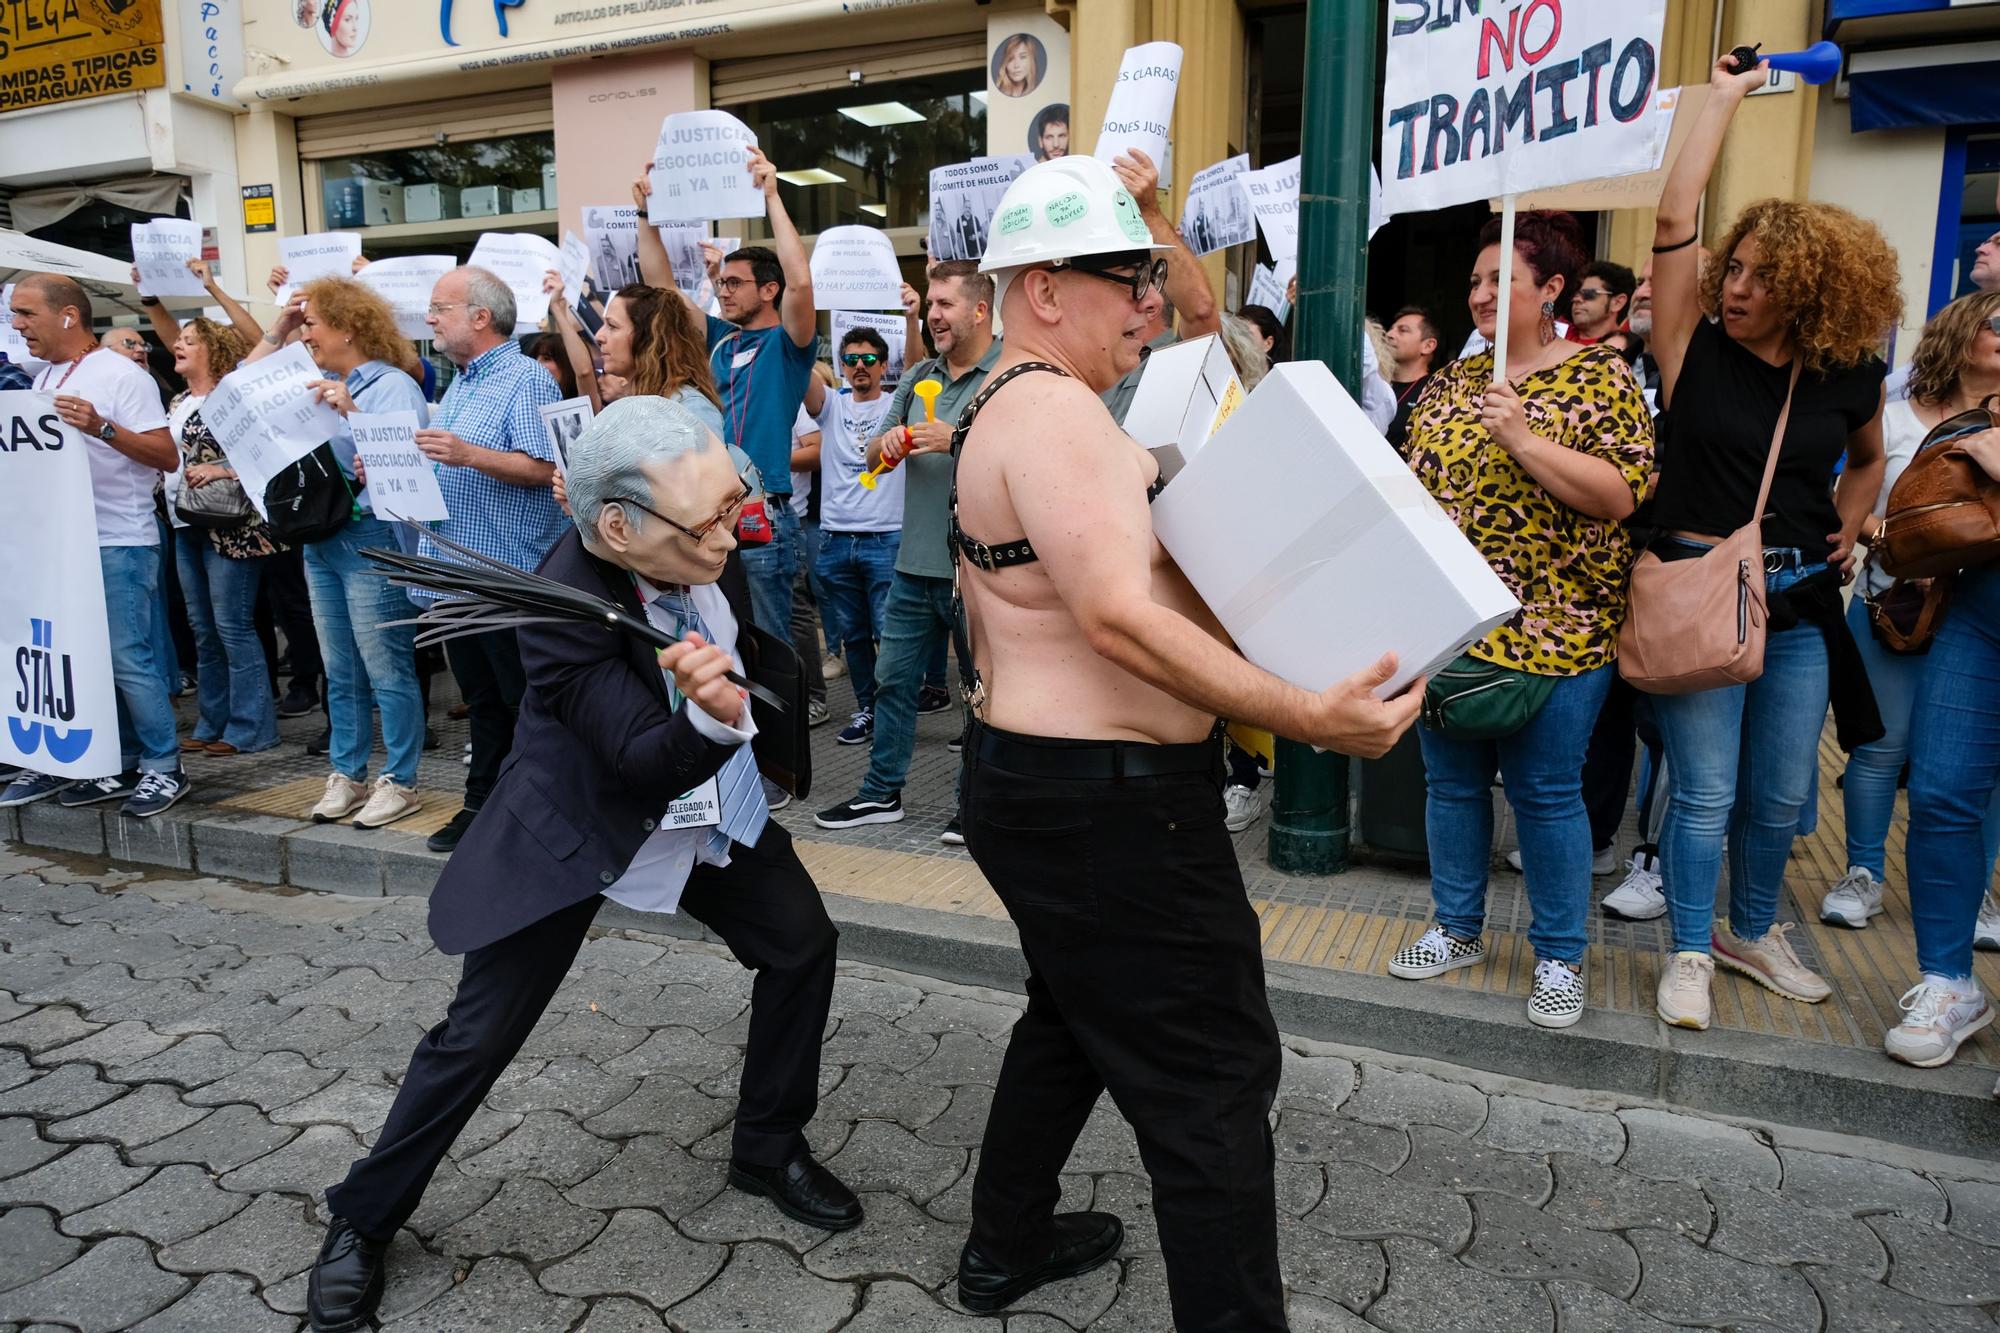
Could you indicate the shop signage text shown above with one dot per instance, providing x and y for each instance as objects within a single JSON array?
[{"x": 61, "y": 50}]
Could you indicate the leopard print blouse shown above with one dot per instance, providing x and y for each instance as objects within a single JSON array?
[{"x": 1569, "y": 571}]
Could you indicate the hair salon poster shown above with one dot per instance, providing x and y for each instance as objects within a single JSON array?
[{"x": 1027, "y": 87}]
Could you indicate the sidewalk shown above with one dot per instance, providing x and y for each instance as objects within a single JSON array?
[{"x": 902, "y": 899}]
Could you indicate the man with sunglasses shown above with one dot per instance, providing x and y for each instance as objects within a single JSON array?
[
  {"x": 1093, "y": 789},
  {"x": 1603, "y": 296},
  {"x": 634, "y": 777}
]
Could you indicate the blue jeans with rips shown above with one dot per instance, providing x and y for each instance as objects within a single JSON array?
[
  {"x": 232, "y": 684},
  {"x": 133, "y": 580}
]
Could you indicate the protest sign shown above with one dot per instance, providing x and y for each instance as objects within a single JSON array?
[
  {"x": 891, "y": 327},
  {"x": 265, "y": 417},
  {"x": 161, "y": 250},
  {"x": 1267, "y": 289},
  {"x": 405, "y": 282},
  {"x": 611, "y": 235},
  {"x": 1217, "y": 214},
  {"x": 964, "y": 198},
  {"x": 521, "y": 260},
  {"x": 575, "y": 263},
  {"x": 1477, "y": 106},
  {"x": 321, "y": 254},
  {"x": 402, "y": 483},
  {"x": 701, "y": 171},
  {"x": 1140, "y": 113},
  {"x": 12, "y": 345},
  {"x": 1274, "y": 197},
  {"x": 1675, "y": 111},
  {"x": 60, "y": 703},
  {"x": 684, "y": 241},
  {"x": 564, "y": 421},
  {"x": 855, "y": 268}
]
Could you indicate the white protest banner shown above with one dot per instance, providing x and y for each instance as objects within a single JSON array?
[
  {"x": 320, "y": 254},
  {"x": 854, "y": 268},
  {"x": 405, "y": 282},
  {"x": 1274, "y": 197},
  {"x": 1675, "y": 111},
  {"x": 1267, "y": 291},
  {"x": 564, "y": 421},
  {"x": 1217, "y": 214},
  {"x": 12, "y": 345},
  {"x": 1140, "y": 113},
  {"x": 60, "y": 702},
  {"x": 964, "y": 198},
  {"x": 611, "y": 236},
  {"x": 402, "y": 483},
  {"x": 891, "y": 327},
  {"x": 266, "y": 418},
  {"x": 575, "y": 263},
  {"x": 161, "y": 249},
  {"x": 520, "y": 259},
  {"x": 701, "y": 171},
  {"x": 684, "y": 241},
  {"x": 1529, "y": 94}
]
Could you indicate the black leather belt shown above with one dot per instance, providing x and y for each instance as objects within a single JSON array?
[{"x": 1092, "y": 761}]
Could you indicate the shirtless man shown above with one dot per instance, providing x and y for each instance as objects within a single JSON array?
[{"x": 1094, "y": 790}]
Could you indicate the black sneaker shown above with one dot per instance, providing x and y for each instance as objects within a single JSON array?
[
  {"x": 933, "y": 699},
  {"x": 299, "y": 700},
  {"x": 855, "y": 813},
  {"x": 954, "y": 833},
  {"x": 956, "y": 745},
  {"x": 321, "y": 743},
  {"x": 156, "y": 792},
  {"x": 431, "y": 741},
  {"x": 26, "y": 786},
  {"x": 859, "y": 729},
  {"x": 446, "y": 839},
  {"x": 117, "y": 788}
]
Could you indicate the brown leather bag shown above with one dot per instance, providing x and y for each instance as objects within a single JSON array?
[
  {"x": 1700, "y": 624},
  {"x": 1944, "y": 511}
]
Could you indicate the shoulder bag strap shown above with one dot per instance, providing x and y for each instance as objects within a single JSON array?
[{"x": 1777, "y": 441}]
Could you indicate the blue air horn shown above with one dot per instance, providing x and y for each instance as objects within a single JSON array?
[{"x": 1818, "y": 63}]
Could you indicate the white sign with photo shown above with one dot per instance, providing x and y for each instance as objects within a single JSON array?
[
  {"x": 854, "y": 268},
  {"x": 402, "y": 483},
  {"x": 320, "y": 254},
  {"x": 564, "y": 421},
  {"x": 964, "y": 198},
  {"x": 701, "y": 169},
  {"x": 520, "y": 259},
  {"x": 611, "y": 236},
  {"x": 265, "y": 417},
  {"x": 405, "y": 282},
  {"x": 1274, "y": 197},
  {"x": 683, "y": 241},
  {"x": 891, "y": 327},
  {"x": 161, "y": 250},
  {"x": 1218, "y": 214},
  {"x": 1140, "y": 113},
  {"x": 60, "y": 702},
  {"x": 1267, "y": 288},
  {"x": 575, "y": 264}
]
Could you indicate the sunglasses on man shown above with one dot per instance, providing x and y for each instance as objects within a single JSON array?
[
  {"x": 700, "y": 534},
  {"x": 861, "y": 358},
  {"x": 1150, "y": 276}
]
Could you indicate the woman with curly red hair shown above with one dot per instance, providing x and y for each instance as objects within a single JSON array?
[{"x": 1797, "y": 306}]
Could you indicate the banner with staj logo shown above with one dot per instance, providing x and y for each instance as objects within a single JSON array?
[{"x": 58, "y": 700}]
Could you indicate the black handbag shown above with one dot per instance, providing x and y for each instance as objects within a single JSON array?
[{"x": 309, "y": 500}]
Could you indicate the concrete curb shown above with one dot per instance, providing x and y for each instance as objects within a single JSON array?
[{"x": 1839, "y": 1089}]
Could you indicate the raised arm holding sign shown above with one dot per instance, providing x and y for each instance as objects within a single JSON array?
[
  {"x": 1140, "y": 113},
  {"x": 161, "y": 250}
]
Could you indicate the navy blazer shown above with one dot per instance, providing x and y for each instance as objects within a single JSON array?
[{"x": 598, "y": 754}]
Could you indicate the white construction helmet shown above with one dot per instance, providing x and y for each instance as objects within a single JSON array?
[{"x": 1064, "y": 208}]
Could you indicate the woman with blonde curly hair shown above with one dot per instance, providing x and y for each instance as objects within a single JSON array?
[
  {"x": 1796, "y": 306},
  {"x": 351, "y": 333}
]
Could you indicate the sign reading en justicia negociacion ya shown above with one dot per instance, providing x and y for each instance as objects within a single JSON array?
[{"x": 63, "y": 50}]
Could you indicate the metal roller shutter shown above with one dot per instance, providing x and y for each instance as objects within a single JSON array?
[
  {"x": 486, "y": 116},
  {"x": 732, "y": 82}
]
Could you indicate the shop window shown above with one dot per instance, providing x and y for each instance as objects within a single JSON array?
[
  {"x": 862, "y": 154},
  {"x": 510, "y": 180}
]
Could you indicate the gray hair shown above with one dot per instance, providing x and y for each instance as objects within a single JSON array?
[
  {"x": 483, "y": 291},
  {"x": 1245, "y": 345},
  {"x": 607, "y": 461}
]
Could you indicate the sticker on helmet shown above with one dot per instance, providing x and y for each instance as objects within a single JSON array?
[
  {"x": 1067, "y": 208},
  {"x": 1018, "y": 218},
  {"x": 1126, "y": 209}
]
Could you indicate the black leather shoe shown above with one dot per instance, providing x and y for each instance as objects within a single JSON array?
[
  {"x": 346, "y": 1282},
  {"x": 1082, "y": 1242},
  {"x": 446, "y": 839},
  {"x": 804, "y": 1191}
]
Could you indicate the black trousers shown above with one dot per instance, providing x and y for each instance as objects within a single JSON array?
[
  {"x": 1146, "y": 978},
  {"x": 766, "y": 908},
  {"x": 488, "y": 668},
  {"x": 1625, "y": 719},
  {"x": 291, "y": 607}
]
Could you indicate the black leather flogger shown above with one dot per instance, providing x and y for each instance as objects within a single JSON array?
[
  {"x": 1083, "y": 1241},
  {"x": 346, "y": 1282},
  {"x": 803, "y": 1190}
]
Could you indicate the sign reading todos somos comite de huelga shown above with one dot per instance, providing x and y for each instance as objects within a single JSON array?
[
  {"x": 61, "y": 50},
  {"x": 58, "y": 699},
  {"x": 1493, "y": 99}
]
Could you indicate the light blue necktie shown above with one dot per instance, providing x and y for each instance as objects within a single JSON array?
[{"x": 744, "y": 810}]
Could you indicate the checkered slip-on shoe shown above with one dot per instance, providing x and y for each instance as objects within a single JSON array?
[
  {"x": 1434, "y": 955},
  {"x": 1557, "y": 1000}
]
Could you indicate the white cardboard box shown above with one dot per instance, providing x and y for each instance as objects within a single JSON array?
[
  {"x": 479, "y": 201},
  {"x": 1317, "y": 548},
  {"x": 429, "y": 202},
  {"x": 1186, "y": 392}
]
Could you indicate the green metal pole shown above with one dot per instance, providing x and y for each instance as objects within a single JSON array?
[{"x": 1309, "y": 829}]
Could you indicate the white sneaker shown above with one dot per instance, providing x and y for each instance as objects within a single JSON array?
[
  {"x": 342, "y": 798},
  {"x": 1435, "y": 954},
  {"x": 1557, "y": 1000},
  {"x": 1601, "y": 862},
  {"x": 1641, "y": 897},
  {"x": 833, "y": 668},
  {"x": 1245, "y": 807},
  {"x": 1854, "y": 898},
  {"x": 389, "y": 802},
  {"x": 1938, "y": 1015},
  {"x": 1682, "y": 999},
  {"x": 1986, "y": 930}
]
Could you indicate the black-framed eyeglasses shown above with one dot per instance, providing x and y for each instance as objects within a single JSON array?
[
  {"x": 1151, "y": 276},
  {"x": 731, "y": 284},
  {"x": 861, "y": 358},
  {"x": 700, "y": 534}
]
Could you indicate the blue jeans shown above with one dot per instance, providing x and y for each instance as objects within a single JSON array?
[
  {"x": 166, "y": 653},
  {"x": 916, "y": 623},
  {"x": 771, "y": 568},
  {"x": 855, "y": 569},
  {"x": 368, "y": 665},
  {"x": 1954, "y": 775},
  {"x": 1741, "y": 763},
  {"x": 1542, "y": 765},
  {"x": 809, "y": 543},
  {"x": 231, "y": 681},
  {"x": 1869, "y": 791},
  {"x": 133, "y": 581}
]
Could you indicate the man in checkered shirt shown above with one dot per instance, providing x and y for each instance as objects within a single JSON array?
[{"x": 494, "y": 468}]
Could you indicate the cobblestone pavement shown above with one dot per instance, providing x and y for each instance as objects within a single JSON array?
[{"x": 185, "y": 1064}]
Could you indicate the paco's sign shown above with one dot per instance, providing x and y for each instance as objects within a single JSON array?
[{"x": 64, "y": 50}]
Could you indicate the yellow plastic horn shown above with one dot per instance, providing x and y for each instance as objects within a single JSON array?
[{"x": 928, "y": 390}]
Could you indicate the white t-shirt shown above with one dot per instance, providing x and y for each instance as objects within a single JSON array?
[
  {"x": 802, "y": 482},
  {"x": 1902, "y": 432},
  {"x": 126, "y": 396},
  {"x": 177, "y": 419},
  {"x": 845, "y": 427}
]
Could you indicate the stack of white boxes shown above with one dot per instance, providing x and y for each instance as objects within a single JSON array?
[{"x": 1187, "y": 391}]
